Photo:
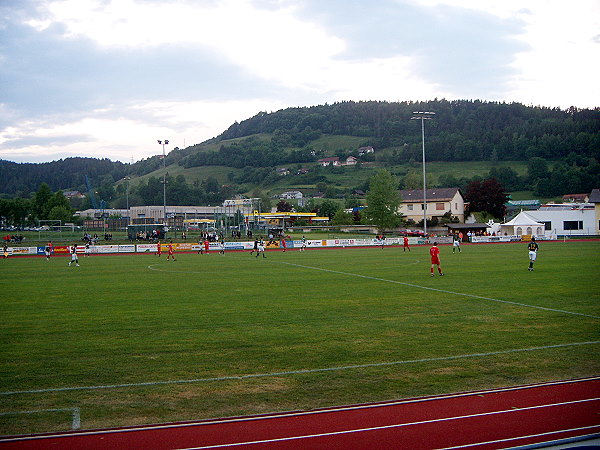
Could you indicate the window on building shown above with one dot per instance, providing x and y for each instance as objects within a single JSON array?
[
  {"x": 410, "y": 207},
  {"x": 439, "y": 206},
  {"x": 573, "y": 225},
  {"x": 547, "y": 226}
]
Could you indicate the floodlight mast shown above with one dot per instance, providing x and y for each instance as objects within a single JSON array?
[
  {"x": 423, "y": 116},
  {"x": 127, "y": 180},
  {"x": 163, "y": 143}
]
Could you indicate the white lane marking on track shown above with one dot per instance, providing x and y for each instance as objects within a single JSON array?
[
  {"x": 310, "y": 412},
  {"x": 384, "y": 427},
  {"x": 295, "y": 372},
  {"x": 438, "y": 290},
  {"x": 529, "y": 436}
]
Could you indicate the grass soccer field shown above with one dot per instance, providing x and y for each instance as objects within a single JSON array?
[{"x": 133, "y": 339}]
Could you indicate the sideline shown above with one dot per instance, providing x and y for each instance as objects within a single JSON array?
[{"x": 296, "y": 372}]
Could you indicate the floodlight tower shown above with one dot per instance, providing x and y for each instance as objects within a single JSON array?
[
  {"x": 127, "y": 180},
  {"x": 423, "y": 116},
  {"x": 163, "y": 143}
]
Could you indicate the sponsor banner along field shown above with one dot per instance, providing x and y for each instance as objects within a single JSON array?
[{"x": 248, "y": 245}]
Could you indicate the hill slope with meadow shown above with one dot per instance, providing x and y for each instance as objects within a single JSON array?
[{"x": 546, "y": 151}]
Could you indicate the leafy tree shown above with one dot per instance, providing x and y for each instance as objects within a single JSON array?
[
  {"x": 537, "y": 168},
  {"x": 351, "y": 202},
  {"x": 58, "y": 200},
  {"x": 62, "y": 213},
  {"x": 487, "y": 196},
  {"x": 211, "y": 185},
  {"x": 383, "y": 201},
  {"x": 284, "y": 206},
  {"x": 15, "y": 211},
  {"x": 507, "y": 176},
  {"x": 413, "y": 180},
  {"x": 341, "y": 217},
  {"x": 40, "y": 201},
  {"x": 328, "y": 208}
]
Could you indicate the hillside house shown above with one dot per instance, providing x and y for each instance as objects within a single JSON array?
[
  {"x": 439, "y": 202},
  {"x": 575, "y": 198},
  {"x": 73, "y": 194},
  {"x": 291, "y": 195},
  {"x": 351, "y": 161},
  {"x": 333, "y": 161},
  {"x": 364, "y": 150}
]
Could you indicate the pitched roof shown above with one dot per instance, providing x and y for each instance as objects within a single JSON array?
[
  {"x": 594, "y": 196},
  {"x": 437, "y": 194},
  {"x": 333, "y": 158}
]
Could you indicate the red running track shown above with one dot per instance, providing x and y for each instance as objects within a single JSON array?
[{"x": 500, "y": 418}]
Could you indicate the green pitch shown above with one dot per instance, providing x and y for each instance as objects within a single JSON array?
[{"x": 134, "y": 339}]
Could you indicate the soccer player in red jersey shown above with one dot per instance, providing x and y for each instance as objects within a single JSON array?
[
  {"x": 170, "y": 253},
  {"x": 158, "y": 249},
  {"x": 406, "y": 244},
  {"x": 434, "y": 251}
]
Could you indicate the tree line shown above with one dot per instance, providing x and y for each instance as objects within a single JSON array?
[
  {"x": 463, "y": 130},
  {"x": 42, "y": 205}
]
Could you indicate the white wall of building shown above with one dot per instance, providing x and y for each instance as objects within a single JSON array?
[{"x": 584, "y": 219}]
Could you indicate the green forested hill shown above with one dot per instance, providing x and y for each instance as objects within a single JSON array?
[
  {"x": 20, "y": 179},
  {"x": 546, "y": 150}
]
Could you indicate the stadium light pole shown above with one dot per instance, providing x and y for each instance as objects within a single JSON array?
[
  {"x": 163, "y": 143},
  {"x": 127, "y": 180},
  {"x": 423, "y": 116}
]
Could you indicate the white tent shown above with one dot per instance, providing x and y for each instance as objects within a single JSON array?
[{"x": 523, "y": 224}]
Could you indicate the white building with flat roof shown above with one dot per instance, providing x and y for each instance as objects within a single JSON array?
[{"x": 567, "y": 219}]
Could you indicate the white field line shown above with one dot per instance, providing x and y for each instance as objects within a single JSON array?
[
  {"x": 295, "y": 372},
  {"x": 75, "y": 414},
  {"x": 399, "y": 425},
  {"x": 437, "y": 290}
]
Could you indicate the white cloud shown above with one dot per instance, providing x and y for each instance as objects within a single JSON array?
[
  {"x": 300, "y": 57},
  {"x": 273, "y": 45},
  {"x": 113, "y": 134},
  {"x": 562, "y": 64}
]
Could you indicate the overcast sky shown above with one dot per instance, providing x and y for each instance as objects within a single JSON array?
[{"x": 107, "y": 78}]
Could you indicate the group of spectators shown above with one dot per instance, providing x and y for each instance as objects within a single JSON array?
[
  {"x": 153, "y": 235},
  {"x": 13, "y": 238},
  {"x": 93, "y": 240}
]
